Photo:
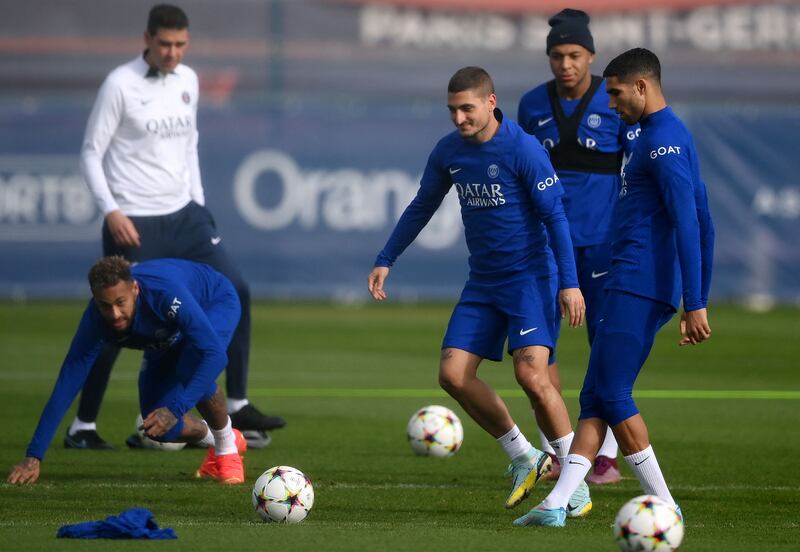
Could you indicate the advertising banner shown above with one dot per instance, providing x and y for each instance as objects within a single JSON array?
[{"x": 316, "y": 120}]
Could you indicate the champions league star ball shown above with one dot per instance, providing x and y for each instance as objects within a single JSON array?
[
  {"x": 283, "y": 494},
  {"x": 435, "y": 431},
  {"x": 149, "y": 443},
  {"x": 648, "y": 523}
]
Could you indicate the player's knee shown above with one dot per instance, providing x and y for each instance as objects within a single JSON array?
[
  {"x": 613, "y": 391},
  {"x": 451, "y": 379},
  {"x": 614, "y": 410},
  {"x": 536, "y": 383},
  {"x": 450, "y": 382},
  {"x": 604, "y": 394},
  {"x": 532, "y": 373}
]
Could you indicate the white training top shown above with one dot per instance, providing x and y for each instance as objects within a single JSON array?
[{"x": 139, "y": 152}]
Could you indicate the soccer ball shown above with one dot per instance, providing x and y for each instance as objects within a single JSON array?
[
  {"x": 435, "y": 431},
  {"x": 283, "y": 494},
  {"x": 648, "y": 523},
  {"x": 149, "y": 443}
]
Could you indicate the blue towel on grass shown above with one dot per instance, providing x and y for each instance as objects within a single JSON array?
[{"x": 136, "y": 523}]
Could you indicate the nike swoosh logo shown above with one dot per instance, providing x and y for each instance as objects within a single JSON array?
[
  {"x": 596, "y": 275},
  {"x": 454, "y": 171},
  {"x": 215, "y": 241},
  {"x": 526, "y": 332},
  {"x": 643, "y": 461},
  {"x": 545, "y": 121},
  {"x": 515, "y": 436},
  {"x": 571, "y": 508},
  {"x": 574, "y": 462}
]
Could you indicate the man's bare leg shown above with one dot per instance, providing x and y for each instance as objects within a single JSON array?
[
  {"x": 458, "y": 371},
  {"x": 458, "y": 375},
  {"x": 533, "y": 374}
]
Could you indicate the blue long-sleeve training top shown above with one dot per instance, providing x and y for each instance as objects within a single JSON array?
[
  {"x": 509, "y": 193},
  {"x": 589, "y": 196},
  {"x": 663, "y": 240},
  {"x": 170, "y": 312}
]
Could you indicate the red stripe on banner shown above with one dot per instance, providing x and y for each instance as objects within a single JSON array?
[{"x": 549, "y": 6}]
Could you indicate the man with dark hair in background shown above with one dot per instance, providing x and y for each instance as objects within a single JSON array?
[
  {"x": 587, "y": 140},
  {"x": 663, "y": 245},
  {"x": 182, "y": 314},
  {"x": 517, "y": 288},
  {"x": 139, "y": 158}
]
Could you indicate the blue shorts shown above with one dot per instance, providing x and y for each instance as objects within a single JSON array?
[
  {"x": 625, "y": 335},
  {"x": 523, "y": 309},
  {"x": 166, "y": 373},
  {"x": 594, "y": 264}
]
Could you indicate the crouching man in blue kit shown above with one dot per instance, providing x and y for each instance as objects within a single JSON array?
[{"x": 182, "y": 314}]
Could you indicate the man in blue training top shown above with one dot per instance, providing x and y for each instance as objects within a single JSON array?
[
  {"x": 663, "y": 246},
  {"x": 587, "y": 141},
  {"x": 509, "y": 194},
  {"x": 182, "y": 314}
]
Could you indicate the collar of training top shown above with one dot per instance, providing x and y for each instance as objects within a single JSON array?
[{"x": 152, "y": 72}]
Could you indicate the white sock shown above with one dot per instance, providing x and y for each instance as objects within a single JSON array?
[
  {"x": 545, "y": 443},
  {"x": 574, "y": 468},
  {"x": 514, "y": 443},
  {"x": 207, "y": 440},
  {"x": 609, "y": 448},
  {"x": 224, "y": 440},
  {"x": 235, "y": 405},
  {"x": 78, "y": 425},
  {"x": 561, "y": 446},
  {"x": 645, "y": 466}
]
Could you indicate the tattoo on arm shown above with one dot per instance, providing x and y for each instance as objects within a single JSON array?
[{"x": 447, "y": 354}]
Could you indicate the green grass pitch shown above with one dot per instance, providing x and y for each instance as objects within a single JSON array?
[{"x": 723, "y": 419}]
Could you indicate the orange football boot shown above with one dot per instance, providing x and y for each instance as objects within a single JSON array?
[
  {"x": 230, "y": 469},
  {"x": 210, "y": 468}
]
